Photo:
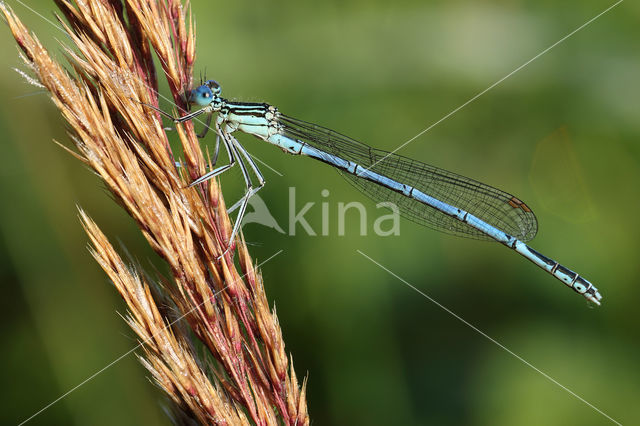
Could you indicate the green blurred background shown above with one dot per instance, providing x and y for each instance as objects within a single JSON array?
[{"x": 562, "y": 134}]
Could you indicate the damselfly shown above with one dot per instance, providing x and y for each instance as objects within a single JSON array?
[{"x": 424, "y": 194}]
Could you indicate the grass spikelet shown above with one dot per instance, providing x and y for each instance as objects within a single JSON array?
[{"x": 248, "y": 377}]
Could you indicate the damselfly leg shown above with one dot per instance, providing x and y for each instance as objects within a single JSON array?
[{"x": 237, "y": 155}]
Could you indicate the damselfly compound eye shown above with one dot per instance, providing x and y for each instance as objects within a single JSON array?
[
  {"x": 214, "y": 86},
  {"x": 201, "y": 95}
]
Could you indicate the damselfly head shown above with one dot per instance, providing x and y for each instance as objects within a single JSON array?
[
  {"x": 205, "y": 94},
  {"x": 214, "y": 86},
  {"x": 201, "y": 95}
]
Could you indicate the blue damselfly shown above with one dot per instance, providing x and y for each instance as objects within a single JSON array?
[{"x": 424, "y": 194}]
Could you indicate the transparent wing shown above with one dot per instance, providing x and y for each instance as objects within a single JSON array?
[{"x": 495, "y": 207}]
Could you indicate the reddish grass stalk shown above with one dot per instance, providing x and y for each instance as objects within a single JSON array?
[{"x": 248, "y": 377}]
